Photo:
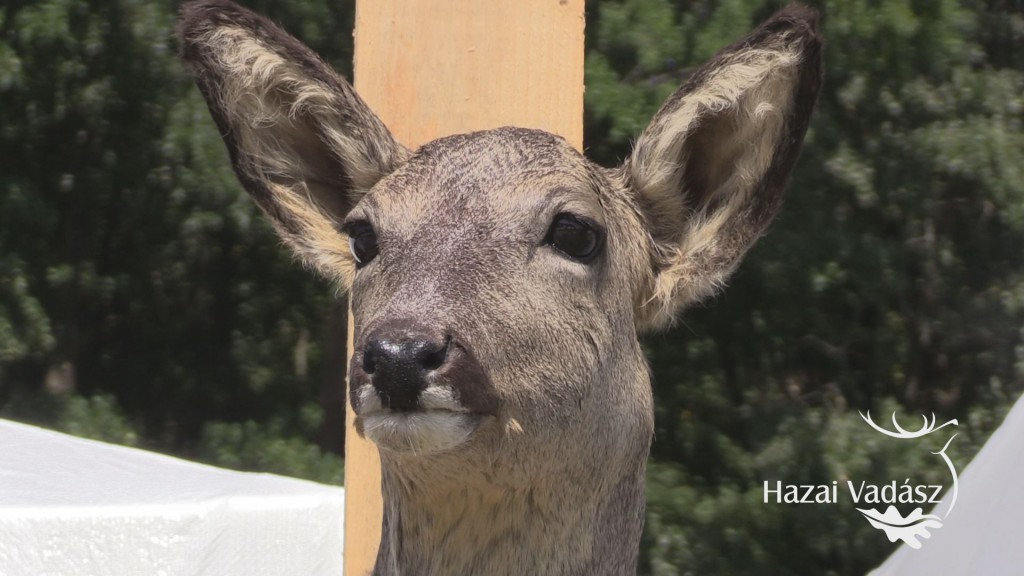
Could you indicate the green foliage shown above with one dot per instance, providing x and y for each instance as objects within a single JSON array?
[
  {"x": 98, "y": 418},
  {"x": 728, "y": 528},
  {"x": 132, "y": 263},
  {"x": 269, "y": 447},
  {"x": 25, "y": 330}
]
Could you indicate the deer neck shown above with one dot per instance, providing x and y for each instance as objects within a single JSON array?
[{"x": 442, "y": 522}]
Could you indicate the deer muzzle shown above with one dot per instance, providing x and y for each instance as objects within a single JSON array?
[{"x": 418, "y": 389}]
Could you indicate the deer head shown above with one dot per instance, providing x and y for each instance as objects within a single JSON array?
[{"x": 498, "y": 279}]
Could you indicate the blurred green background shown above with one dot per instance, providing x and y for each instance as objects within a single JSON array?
[{"x": 143, "y": 300}]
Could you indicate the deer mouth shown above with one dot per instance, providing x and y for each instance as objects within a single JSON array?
[
  {"x": 439, "y": 423},
  {"x": 420, "y": 432},
  {"x": 417, "y": 389}
]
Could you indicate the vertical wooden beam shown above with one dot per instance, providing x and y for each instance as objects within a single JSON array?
[{"x": 430, "y": 68}]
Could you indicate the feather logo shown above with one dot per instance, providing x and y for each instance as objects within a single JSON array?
[
  {"x": 896, "y": 527},
  {"x": 916, "y": 524}
]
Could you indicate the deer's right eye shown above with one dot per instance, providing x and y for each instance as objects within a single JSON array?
[{"x": 362, "y": 242}]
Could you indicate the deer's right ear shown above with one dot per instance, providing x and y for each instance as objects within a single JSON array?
[{"x": 302, "y": 143}]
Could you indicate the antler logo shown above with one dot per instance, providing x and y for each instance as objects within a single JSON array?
[{"x": 916, "y": 524}]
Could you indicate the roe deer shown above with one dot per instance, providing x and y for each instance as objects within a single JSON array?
[{"x": 498, "y": 280}]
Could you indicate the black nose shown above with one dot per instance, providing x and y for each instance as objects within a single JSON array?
[{"x": 400, "y": 361}]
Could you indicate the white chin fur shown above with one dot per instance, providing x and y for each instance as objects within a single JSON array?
[{"x": 423, "y": 432}]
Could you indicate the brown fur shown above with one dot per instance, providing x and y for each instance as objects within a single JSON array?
[{"x": 546, "y": 470}]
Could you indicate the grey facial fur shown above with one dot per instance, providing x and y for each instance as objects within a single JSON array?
[{"x": 499, "y": 374}]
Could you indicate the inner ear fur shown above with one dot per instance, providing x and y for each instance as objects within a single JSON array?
[
  {"x": 301, "y": 142},
  {"x": 709, "y": 171}
]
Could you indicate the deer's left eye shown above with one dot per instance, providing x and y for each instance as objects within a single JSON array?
[
  {"x": 362, "y": 241},
  {"x": 575, "y": 237}
]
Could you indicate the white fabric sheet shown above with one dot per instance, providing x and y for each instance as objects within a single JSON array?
[
  {"x": 75, "y": 507},
  {"x": 982, "y": 536}
]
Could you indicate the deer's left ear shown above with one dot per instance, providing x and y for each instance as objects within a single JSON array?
[{"x": 709, "y": 171}]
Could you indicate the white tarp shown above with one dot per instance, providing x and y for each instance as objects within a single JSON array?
[
  {"x": 982, "y": 535},
  {"x": 75, "y": 507}
]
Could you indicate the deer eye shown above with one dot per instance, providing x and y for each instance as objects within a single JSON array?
[
  {"x": 575, "y": 237},
  {"x": 362, "y": 241}
]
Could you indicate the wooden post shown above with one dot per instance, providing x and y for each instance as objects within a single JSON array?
[{"x": 431, "y": 68}]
